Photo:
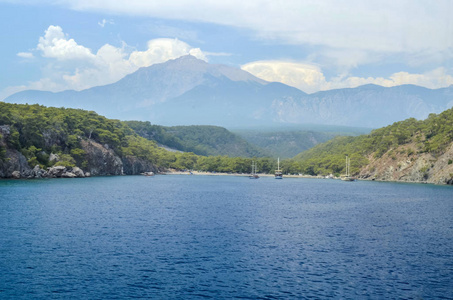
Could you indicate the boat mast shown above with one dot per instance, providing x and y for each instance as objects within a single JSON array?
[{"x": 347, "y": 166}]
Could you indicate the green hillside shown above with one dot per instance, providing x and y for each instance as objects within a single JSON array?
[
  {"x": 433, "y": 135},
  {"x": 201, "y": 140},
  {"x": 37, "y": 132},
  {"x": 286, "y": 144},
  {"x": 286, "y": 141}
]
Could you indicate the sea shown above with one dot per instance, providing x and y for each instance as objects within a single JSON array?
[{"x": 224, "y": 237}]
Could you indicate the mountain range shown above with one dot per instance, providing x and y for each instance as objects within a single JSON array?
[{"x": 189, "y": 91}]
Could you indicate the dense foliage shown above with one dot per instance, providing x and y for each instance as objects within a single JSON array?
[
  {"x": 431, "y": 135},
  {"x": 201, "y": 140},
  {"x": 286, "y": 144},
  {"x": 37, "y": 132}
]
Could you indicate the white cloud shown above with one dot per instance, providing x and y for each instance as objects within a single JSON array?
[
  {"x": 306, "y": 77},
  {"x": 343, "y": 34},
  {"x": 25, "y": 55},
  {"x": 310, "y": 78},
  {"x": 73, "y": 66},
  {"x": 433, "y": 79},
  {"x": 160, "y": 50},
  {"x": 382, "y": 26},
  {"x": 54, "y": 44},
  {"x": 104, "y": 22}
]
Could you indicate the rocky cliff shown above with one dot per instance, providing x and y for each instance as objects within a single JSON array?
[
  {"x": 404, "y": 164},
  {"x": 100, "y": 161}
]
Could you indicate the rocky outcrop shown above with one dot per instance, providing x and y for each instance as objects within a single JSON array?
[
  {"x": 78, "y": 172},
  {"x": 133, "y": 165},
  {"x": 14, "y": 160},
  {"x": 404, "y": 164},
  {"x": 101, "y": 161}
]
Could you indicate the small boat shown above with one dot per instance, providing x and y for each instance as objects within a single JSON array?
[
  {"x": 348, "y": 165},
  {"x": 278, "y": 172},
  {"x": 253, "y": 175}
]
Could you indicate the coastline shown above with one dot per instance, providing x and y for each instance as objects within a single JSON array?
[{"x": 198, "y": 173}]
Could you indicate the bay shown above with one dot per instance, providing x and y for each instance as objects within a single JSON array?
[{"x": 191, "y": 237}]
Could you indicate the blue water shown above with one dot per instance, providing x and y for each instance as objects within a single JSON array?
[{"x": 193, "y": 237}]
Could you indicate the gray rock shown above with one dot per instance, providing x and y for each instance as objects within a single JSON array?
[
  {"x": 16, "y": 175},
  {"x": 14, "y": 161},
  {"x": 133, "y": 165},
  {"x": 5, "y": 130},
  {"x": 78, "y": 172},
  {"x": 54, "y": 157},
  {"x": 68, "y": 175},
  {"x": 56, "y": 171},
  {"x": 101, "y": 161},
  {"x": 37, "y": 172}
]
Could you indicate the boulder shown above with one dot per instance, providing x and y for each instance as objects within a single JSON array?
[
  {"x": 37, "y": 172},
  {"x": 56, "y": 171},
  {"x": 68, "y": 175},
  {"x": 78, "y": 172},
  {"x": 16, "y": 175}
]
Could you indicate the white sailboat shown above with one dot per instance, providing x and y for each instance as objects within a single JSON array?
[
  {"x": 348, "y": 166},
  {"x": 253, "y": 175},
  {"x": 278, "y": 172}
]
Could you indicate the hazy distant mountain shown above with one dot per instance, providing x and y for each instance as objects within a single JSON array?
[
  {"x": 367, "y": 106},
  {"x": 188, "y": 91}
]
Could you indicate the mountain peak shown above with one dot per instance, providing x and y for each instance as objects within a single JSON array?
[
  {"x": 195, "y": 65},
  {"x": 188, "y": 57}
]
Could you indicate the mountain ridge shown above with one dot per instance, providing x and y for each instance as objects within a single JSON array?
[{"x": 189, "y": 91}]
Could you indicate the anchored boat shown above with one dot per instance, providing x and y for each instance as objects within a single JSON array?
[
  {"x": 278, "y": 172},
  {"x": 348, "y": 165},
  {"x": 253, "y": 175}
]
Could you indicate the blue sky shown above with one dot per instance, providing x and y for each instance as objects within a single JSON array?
[{"x": 313, "y": 45}]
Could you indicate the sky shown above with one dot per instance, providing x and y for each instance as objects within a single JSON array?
[{"x": 55, "y": 45}]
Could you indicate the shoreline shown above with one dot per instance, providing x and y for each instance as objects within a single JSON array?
[{"x": 197, "y": 173}]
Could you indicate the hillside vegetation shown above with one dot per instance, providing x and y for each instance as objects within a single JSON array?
[
  {"x": 199, "y": 139},
  {"x": 286, "y": 144},
  {"x": 403, "y": 143},
  {"x": 34, "y": 135}
]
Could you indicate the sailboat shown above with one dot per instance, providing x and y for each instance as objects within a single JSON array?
[
  {"x": 278, "y": 172},
  {"x": 253, "y": 175},
  {"x": 348, "y": 165}
]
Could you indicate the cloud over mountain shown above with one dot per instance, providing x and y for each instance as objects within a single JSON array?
[
  {"x": 369, "y": 26},
  {"x": 191, "y": 91},
  {"x": 78, "y": 67},
  {"x": 310, "y": 77}
]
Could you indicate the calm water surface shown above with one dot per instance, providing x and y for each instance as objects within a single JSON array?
[{"x": 190, "y": 237}]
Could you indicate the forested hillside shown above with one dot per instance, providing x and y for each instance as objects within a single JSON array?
[
  {"x": 415, "y": 149},
  {"x": 199, "y": 139},
  {"x": 34, "y": 138},
  {"x": 286, "y": 144}
]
